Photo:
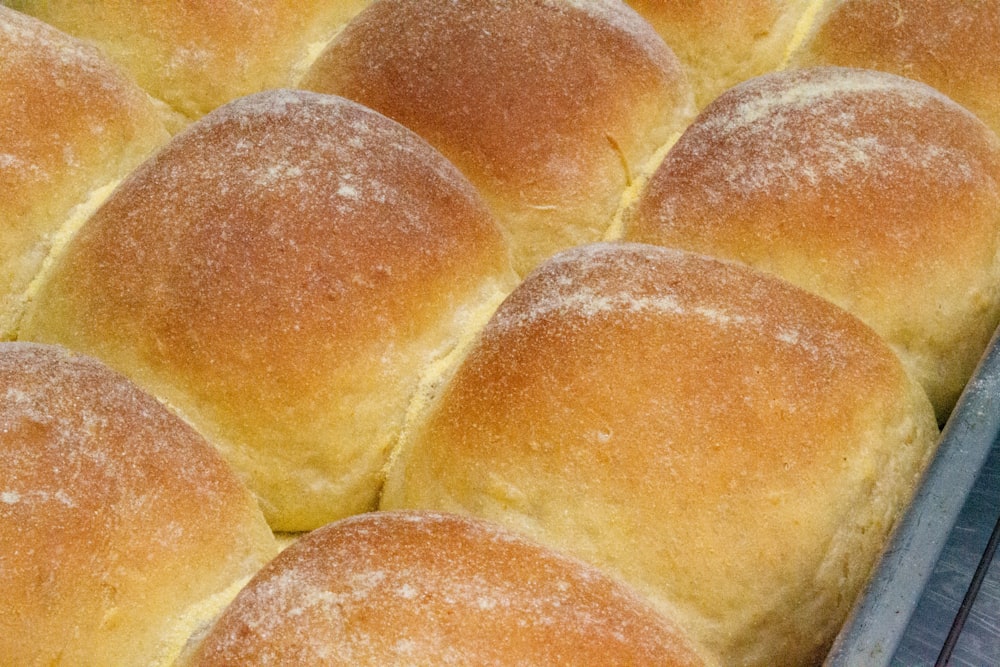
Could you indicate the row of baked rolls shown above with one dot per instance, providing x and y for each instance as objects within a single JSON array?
[
  {"x": 872, "y": 190},
  {"x": 200, "y": 54},
  {"x": 71, "y": 125},
  {"x": 291, "y": 270},
  {"x": 282, "y": 274},
  {"x": 123, "y": 535},
  {"x": 733, "y": 447},
  {"x": 736, "y": 448},
  {"x": 195, "y": 57},
  {"x": 426, "y": 588}
]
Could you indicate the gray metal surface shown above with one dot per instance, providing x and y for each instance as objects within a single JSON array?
[
  {"x": 882, "y": 617},
  {"x": 978, "y": 643}
]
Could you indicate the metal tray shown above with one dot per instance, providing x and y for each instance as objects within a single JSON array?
[{"x": 927, "y": 578}]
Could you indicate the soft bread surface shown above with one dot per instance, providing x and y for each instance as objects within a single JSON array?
[
  {"x": 423, "y": 588},
  {"x": 872, "y": 190},
  {"x": 733, "y": 446},
  {"x": 70, "y": 123},
  {"x": 199, "y": 54},
  {"x": 722, "y": 42},
  {"x": 282, "y": 273},
  {"x": 115, "y": 516},
  {"x": 948, "y": 44},
  {"x": 550, "y": 108}
]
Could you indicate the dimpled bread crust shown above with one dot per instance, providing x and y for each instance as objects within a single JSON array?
[
  {"x": 282, "y": 274},
  {"x": 423, "y": 588},
  {"x": 116, "y": 518},
  {"x": 733, "y": 446},
  {"x": 874, "y": 191}
]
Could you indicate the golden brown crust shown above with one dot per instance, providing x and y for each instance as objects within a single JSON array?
[
  {"x": 423, "y": 588},
  {"x": 199, "y": 54},
  {"x": 722, "y": 42},
  {"x": 115, "y": 516},
  {"x": 70, "y": 122},
  {"x": 874, "y": 191},
  {"x": 731, "y": 445},
  {"x": 282, "y": 273},
  {"x": 548, "y": 107},
  {"x": 947, "y": 44}
]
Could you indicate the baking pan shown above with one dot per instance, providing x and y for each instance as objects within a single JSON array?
[{"x": 882, "y": 615}]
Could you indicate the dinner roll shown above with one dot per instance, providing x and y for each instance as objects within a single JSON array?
[
  {"x": 199, "y": 54},
  {"x": 722, "y": 42},
  {"x": 120, "y": 528},
  {"x": 872, "y": 190},
  {"x": 282, "y": 274},
  {"x": 423, "y": 588},
  {"x": 735, "y": 447},
  {"x": 552, "y": 109},
  {"x": 948, "y": 44},
  {"x": 70, "y": 125}
]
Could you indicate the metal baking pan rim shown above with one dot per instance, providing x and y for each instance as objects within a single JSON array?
[{"x": 880, "y": 618}]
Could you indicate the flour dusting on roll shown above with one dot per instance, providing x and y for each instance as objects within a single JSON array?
[
  {"x": 197, "y": 55},
  {"x": 948, "y": 44},
  {"x": 872, "y": 190},
  {"x": 552, "y": 109},
  {"x": 733, "y": 446},
  {"x": 121, "y": 529},
  {"x": 71, "y": 125},
  {"x": 425, "y": 588},
  {"x": 283, "y": 274}
]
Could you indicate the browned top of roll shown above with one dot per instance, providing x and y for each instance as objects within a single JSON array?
[
  {"x": 730, "y": 444},
  {"x": 70, "y": 122},
  {"x": 870, "y": 189},
  {"x": 199, "y": 54},
  {"x": 948, "y": 44},
  {"x": 281, "y": 273},
  {"x": 423, "y": 588},
  {"x": 115, "y": 516},
  {"x": 546, "y": 106}
]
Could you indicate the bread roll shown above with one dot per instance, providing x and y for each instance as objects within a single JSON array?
[
  {"x": 722, "y": 42},
  {"x": 948, "y": 44},
  {"x": 874, "y": 191},
  {"x": 199, "y": 54},
  {"x": 422, "y": 588},
  {"x": 736, "y": 448},
  {"x": 552, "y": 109},
  {"x": 70, "y": 124},
  {"x": 282, "y": 274},
  {"x": 118, "y": 523}
]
